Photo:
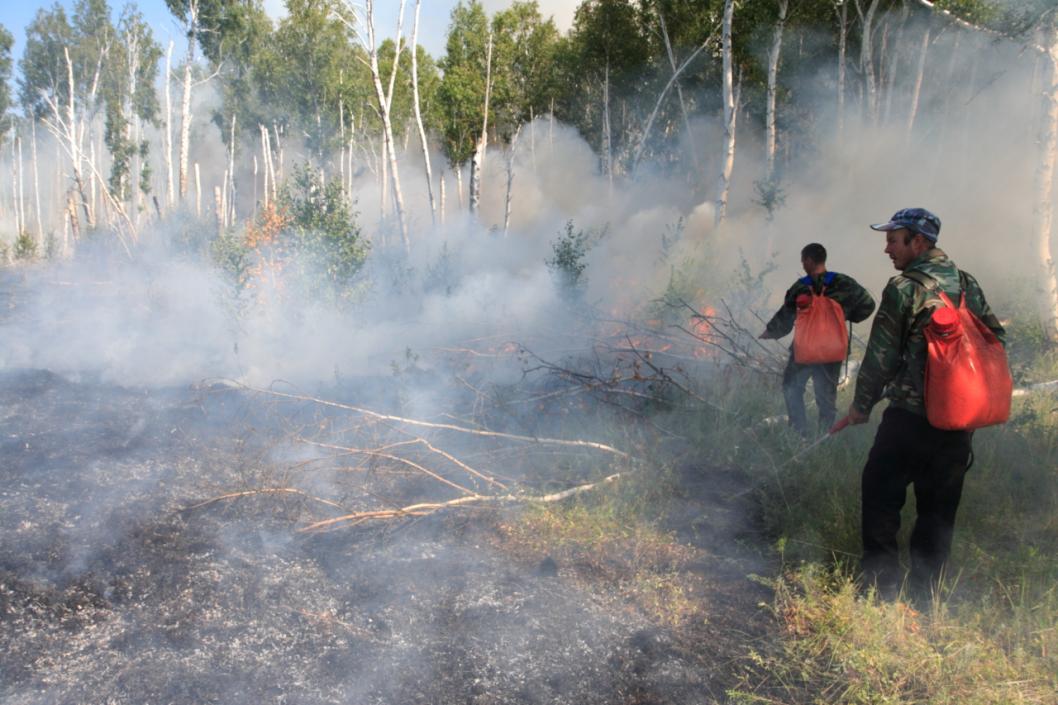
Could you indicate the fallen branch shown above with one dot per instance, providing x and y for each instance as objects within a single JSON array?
[
  {"x": 438, "y": 426},
  {"x": 426, "y": 508},
  {"x": 250, "y": 493}
]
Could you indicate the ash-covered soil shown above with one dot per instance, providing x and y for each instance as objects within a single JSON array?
[{"x": 113, "y": 591}]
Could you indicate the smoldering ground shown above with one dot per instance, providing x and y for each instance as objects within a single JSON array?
[{"x": 114, "y": 587}]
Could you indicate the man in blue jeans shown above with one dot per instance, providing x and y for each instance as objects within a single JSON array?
[{"x": 857, "y": 304}]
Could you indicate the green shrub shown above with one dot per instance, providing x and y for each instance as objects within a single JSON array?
[
  {"x": 568, "y": 254},
  {"x": 25, "y": 247}
]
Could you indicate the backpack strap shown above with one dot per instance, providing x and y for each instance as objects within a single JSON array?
[
  {"x": 828, "y": 279},
  {"x": 931, "y": 285}
]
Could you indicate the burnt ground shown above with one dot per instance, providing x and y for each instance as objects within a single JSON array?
[{"x": 113, "y": 591}]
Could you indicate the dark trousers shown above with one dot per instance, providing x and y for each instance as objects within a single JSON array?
[
  {"x": 825, "y": 383},
  {"x": 908, "y": 451}
]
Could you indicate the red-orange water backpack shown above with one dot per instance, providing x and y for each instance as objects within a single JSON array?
[
  {"x": 819, "y": 329},
  {"x": 968, "y": 382}
]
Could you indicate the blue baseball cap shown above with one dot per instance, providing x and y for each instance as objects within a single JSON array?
[{"x": 917, "y": 220}]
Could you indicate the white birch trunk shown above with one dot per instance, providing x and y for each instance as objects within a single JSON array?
[
  {"x": 418, "y": 111},
  {"x": 867, "y": 58},
  {"x": 441, "y": 193},
  {"x": 916, "y": 91},
  {"x": 41, "y": 244},
  {"x": 1044, "y": 206},
  {"x": 14, "y": 184},
  {"x": 510, "y": 182},
  {"x": 773, "y": 83},
  {"x": 384, "y": 103},
  {"x": 185, "y": 100},
  {"x": 606, "y": 136},
  {"x": 75, "y": 147},
  {"x": 167, "y": 135},
  {"x": 724, "y": 186},
  {"x": 229, "y": 214},
  {"x": 843, "y": 30},
  {"x": 477, "y": 162},
  {"x": 21, "y": 191}
]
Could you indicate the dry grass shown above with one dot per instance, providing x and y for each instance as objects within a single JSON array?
[
  {"x": 595, "y": 543},
  {"x": 845, "y": 648}
]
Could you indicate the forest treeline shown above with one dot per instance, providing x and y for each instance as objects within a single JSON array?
[{"x": 664, "y": 85}]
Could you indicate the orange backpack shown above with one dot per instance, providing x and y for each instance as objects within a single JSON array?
[
  {"x": 819, "y": 329},
  {"x": 968, "y": 382}
]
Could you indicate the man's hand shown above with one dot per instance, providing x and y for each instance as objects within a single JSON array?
[{"x": 856, "y": 416}]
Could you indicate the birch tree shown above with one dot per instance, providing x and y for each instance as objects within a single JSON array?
[
  {"x": 773, "y": 83},
  {"x": 363, "y": 26},
  {"x": 730, "y": 113},
  {"x": 131, "y": 102},
  {"x": 6, "y": 42},
  {"x": 418, "y": 111},
  {"x": 461, "y": 94}
]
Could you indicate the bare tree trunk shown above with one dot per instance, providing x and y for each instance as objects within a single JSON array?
[
  {"x": 730, "y": 115},
  {"x": 773, "y": 83},
  {"x": 15, "y": 199},
  {"x": 1044, "y": 207},
  {"x": 41, "y": 244},
  {"x": 843, "y": 31},
  {"x": 459, "y": 186},
  {"x": 551, "y": 129},
  {"x": 229, "y": 214},
  {"x": 916, "y": 92},
  {"x": 441, "y": 189},
  {"x": 75, "y": 228},
  {"x": 607, "y": 137},
  {"x": 661, "y": 99},
  {"x": 477, "y": 161},
  {"x": 341, "y": 137},
  {"x": 198, "y": 193},
  {"x": 185, "y": 119},
  {"x": 691, "y": 143},
  {"x": 167, "y": 135},
  {"x": 185, "y": 101},
  {"x": 418, "y": 112},
  {"x": 75, "y": 147},
  {"x": 218, "y": 205},
  {"x": 867, "y": 58},
  {"x": 510, "y": 181},
  {"x": 384, "y": 103},
  {"x": 891, "y": 72},
  {"x": 23, "y": 229}
]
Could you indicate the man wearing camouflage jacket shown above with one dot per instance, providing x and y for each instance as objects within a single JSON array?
[
  {"x": 857, "y": 304},
  {"x": 907, "y": 449}
]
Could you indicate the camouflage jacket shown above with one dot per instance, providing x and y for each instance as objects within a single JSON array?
[
  {"x": 894, "y": 364},
  {"x": 856, "y": 301}
]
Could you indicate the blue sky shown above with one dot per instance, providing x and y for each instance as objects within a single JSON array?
[{"x": 16, "y": 14}]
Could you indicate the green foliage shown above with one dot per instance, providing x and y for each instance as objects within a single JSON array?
[
  {"x": 322, "y": 231},
  {"x": 25, "y": 247},
  {"x": 6, "y": 42},
  {"x": 130, "y": 100},
  {"x": 770, "y": 196},
  {"x": 568, "y": 259},
  {"x": 462, "y": 90}
]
